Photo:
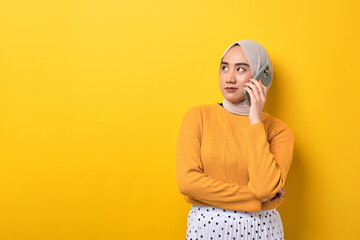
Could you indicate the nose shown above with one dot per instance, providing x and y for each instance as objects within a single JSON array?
[{"x": 230, "y": 78}]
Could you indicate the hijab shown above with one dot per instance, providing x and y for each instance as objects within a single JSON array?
[{"x": 257, "y": 56}]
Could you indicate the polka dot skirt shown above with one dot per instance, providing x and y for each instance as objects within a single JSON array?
[{"x": 210, "y": 223}]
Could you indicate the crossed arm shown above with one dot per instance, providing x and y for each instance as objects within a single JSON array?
[{"x": 268, "y": 167}]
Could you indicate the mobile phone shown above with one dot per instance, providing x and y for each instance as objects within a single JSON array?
[{"x": 265, "y": 75}]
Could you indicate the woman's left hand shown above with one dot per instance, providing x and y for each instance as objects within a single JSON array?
[
  {"x": 279, "y": 194},
  {"x": 257, "y": 99}
]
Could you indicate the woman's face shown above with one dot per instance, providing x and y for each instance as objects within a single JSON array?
[{"x": 234, "y": 73}]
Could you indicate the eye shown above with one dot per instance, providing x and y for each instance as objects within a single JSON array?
[
  {"x": 223, "y": 67},
  {"x": 242, "y": 69}
]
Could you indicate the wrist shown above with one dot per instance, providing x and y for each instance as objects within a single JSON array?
[{"x": 254, "y": 122}]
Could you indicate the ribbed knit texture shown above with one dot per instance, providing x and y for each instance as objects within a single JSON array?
[{"x": 224, "y": 161}]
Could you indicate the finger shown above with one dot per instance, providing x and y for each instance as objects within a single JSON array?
[
  {"x": 262, "y": 89},
  {"x": 265, "y": 89},
  {"x": 282, "y": 194},
  {"x": 275, "y": 198},
  {"x": 252, "y": 90},
  {"x": 256, "y": 86},
  {"x": 251, "y": 93},
  {"x": 259, "y": 91}
]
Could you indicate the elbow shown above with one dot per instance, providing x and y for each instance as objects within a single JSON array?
[
  {"x": 183, "y": 185},
  {"x": 185, "y": 189},
  {"x": 187, "y": 181},
  {"x": 188, "y": 185},
  {"x": 182, "y": 188}
]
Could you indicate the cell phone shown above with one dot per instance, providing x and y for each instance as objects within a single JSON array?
[{"x": 265, "y": 75}]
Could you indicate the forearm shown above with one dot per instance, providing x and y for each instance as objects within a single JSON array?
[{"x": 269, "y": 162}]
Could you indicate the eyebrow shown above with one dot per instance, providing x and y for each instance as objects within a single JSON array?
[{"x": 236, "y": 64}]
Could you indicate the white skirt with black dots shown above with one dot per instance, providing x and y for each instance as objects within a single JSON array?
[{"x": 210, "y": 223}]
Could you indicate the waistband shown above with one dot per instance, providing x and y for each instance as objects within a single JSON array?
[{"x": 215, "y": 211}]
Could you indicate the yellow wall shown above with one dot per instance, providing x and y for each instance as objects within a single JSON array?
[{"x": 92, "y": 94}]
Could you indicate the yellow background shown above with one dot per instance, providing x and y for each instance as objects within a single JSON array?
[{"x": 92, "y": 94}]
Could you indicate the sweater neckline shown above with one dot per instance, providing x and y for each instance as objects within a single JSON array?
[
  {"x": 229, "y": 114},
  {"x": 223, "y": 111}
]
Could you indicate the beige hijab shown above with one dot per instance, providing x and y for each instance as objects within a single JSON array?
[{"x": 257, "y": 56}]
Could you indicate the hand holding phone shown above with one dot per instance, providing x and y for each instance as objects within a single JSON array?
[{"x": 265, "y": 75}]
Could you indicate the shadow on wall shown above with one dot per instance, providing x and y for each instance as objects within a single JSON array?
[{"x": 294, "y": 215}]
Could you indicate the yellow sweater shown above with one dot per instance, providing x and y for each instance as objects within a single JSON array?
[{"x": 224, "y": 161}]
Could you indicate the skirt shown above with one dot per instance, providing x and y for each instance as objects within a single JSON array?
[{"x": 210, "y": 223}]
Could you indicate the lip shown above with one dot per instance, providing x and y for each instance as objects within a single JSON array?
[{"x": 230, "y": 89}]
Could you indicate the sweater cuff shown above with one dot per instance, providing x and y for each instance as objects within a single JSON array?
[
  {"x": 257, "y": 132},
  {"x": 257, "y": 129}
]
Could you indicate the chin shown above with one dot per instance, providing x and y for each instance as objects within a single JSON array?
[{"x": 235, "y": 99}]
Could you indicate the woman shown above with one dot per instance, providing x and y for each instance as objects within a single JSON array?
[{"x": 231, "y": 159}]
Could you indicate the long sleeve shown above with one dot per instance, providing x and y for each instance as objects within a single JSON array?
[
  {"x": 194, "y": 183},
  {"x": 269, "y": 162}
]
